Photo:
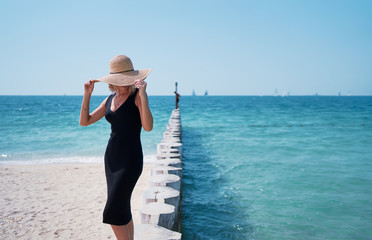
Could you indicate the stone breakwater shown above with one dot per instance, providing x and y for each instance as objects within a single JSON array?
[{"x": 161, "y": 212}]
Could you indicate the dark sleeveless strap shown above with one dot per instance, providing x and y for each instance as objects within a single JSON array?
[
  {"x": 109, "y": 100},
  {"x": 133, "y": 96}
]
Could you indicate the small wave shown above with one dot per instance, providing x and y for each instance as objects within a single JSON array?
[
  {"x": 62, "y": 160},
  {"x": 59, "y": 160}
]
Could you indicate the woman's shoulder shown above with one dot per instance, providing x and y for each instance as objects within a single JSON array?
[
  {"x": 108, "y": 98},
  {"x": 111, "y": 95}
]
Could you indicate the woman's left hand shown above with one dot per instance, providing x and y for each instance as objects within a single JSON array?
[{"x": 141, "y": 85}]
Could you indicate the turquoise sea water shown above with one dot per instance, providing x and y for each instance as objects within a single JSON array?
[
  {"x": 254, "y": 167},
  {"x": 46, "y": 129}
]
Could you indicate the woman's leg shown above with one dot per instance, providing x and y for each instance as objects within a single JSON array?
[
  {"x": 131, "y": 229},
  {"x": 124, "y": 232}
]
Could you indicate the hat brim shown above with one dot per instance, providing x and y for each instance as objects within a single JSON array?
[{"x": 125, "y": 78}]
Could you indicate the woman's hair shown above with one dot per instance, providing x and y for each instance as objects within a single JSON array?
[{"x": 132, "y": 88}]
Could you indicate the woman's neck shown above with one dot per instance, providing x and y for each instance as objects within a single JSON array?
[{"x": 122, "y": 91}]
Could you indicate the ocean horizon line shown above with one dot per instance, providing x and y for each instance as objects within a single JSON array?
[{"x": 210, "y": 95}]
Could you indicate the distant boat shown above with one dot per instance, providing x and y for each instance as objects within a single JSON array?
[
  {"x": 206, "y": 93},
  {"x": 193, "y": 92}
]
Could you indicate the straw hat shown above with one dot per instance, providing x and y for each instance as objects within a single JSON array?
[{"x": 122, "y": 72}]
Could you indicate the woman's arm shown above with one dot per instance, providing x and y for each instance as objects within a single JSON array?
[
  {"x": 86, "y": 118},
  {"x": 142, "y": 103}
]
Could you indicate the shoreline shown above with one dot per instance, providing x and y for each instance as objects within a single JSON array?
[
  {"x": 98, "y": 160},
  {"x": 66, "y": 200}
]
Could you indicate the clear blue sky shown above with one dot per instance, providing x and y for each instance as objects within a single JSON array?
[{"x": 225, "y": 47}]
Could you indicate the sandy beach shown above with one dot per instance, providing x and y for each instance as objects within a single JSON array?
[{"x": 63, "y": 201}]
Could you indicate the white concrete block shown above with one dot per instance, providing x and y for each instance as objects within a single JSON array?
[
  {"x": 165, "y": 170},
  {"x": 156, "y": 194},
  {"x": 154, "y": 232},
  {"x": 162, "y": 180}
]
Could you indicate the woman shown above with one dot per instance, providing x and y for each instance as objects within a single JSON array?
[{"x": 127, "y": 110}]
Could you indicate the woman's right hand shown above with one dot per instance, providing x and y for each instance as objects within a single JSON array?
[{"x": 89, "y": 86}]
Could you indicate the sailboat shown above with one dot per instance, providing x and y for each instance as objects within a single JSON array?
[
  {"x": 206, "y": 93},
  {"x": 193, "y": 92}
]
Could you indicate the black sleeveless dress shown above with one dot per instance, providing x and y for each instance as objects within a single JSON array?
[{"x": 123, "y": 160}]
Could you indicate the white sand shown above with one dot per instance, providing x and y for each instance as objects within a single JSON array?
[{"x": 58, "y": 201}]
